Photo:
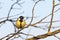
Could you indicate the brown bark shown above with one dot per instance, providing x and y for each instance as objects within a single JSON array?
[{"x": 44, "y": 35}]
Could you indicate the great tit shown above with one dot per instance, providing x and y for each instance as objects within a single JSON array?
[{"x": 20, "y": 22}]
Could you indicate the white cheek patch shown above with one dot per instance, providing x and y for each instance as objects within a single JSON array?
[{"x": 18, "y": 18}]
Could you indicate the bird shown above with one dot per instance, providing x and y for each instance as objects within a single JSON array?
[{"x": 20, "y": 22}]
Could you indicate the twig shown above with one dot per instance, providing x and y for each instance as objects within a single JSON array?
[
  {"x": 52, "y": 21},
  {"x": 44, "y": 18},
  {"x": 13, "y": 35},
  {"x": 57, "y": 4},
  {"x": 12, "y": 8},
  {"x": 49, "y": 27},
  {"x": 56, "y": 37},
  {"x": 6, "y": 36},
  {"x": 33, "y": 13}
]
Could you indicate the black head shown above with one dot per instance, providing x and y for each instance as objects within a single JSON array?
[{"x": 21, "y": 17}]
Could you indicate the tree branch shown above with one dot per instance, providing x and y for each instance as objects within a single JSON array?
[
  {"x": 44, "y": 35},
  {"x": 12, "y": 8},
  {"x": 45, "y": 17},
  {"x": 51, "y": 16}
]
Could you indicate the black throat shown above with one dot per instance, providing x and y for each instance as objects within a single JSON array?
[{"x": 21, "y": 20}]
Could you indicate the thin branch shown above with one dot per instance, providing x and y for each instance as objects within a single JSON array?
[
  {"x": 12, "y": 8},
  {"x": 52, "y": 21},
  {"x": 13, "y": 35},
  {"x": 11, "y": 16},
  {"x": 6, "y": 36},
  {"x": 17, "y": 34},
  {"x": 57, "y": 4},
  {"x": 40, "y": 27},
  {"x": 33, "y": 13},
  {"x": 56, "y": 37},
  {"x": 3, "y": 21},
  {"x": 44, "y": 18},
  {"x": 49, "y": 27}
]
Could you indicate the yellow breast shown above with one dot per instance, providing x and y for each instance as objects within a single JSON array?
[{"x": 20, "y": 24}]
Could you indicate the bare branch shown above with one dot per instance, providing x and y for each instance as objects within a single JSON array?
[
  {"x": 56, "y": 37},
  {"x": 33, "y": 12},
  {"x": 49, "y": 27},
  {"x": 13, "y": 35},
  {"x": 57, "y": 4},
  {"x": 12, "y": 16},
  {"x": 12, "y": 8},
  {"x": 44, "y": 18},
  {"x": 52, "y": 21}
]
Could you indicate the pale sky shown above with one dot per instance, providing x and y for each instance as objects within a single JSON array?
[{"x": 42, "y": 9}]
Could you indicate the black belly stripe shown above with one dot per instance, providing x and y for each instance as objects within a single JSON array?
[{"x": 21, "y": 25}]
